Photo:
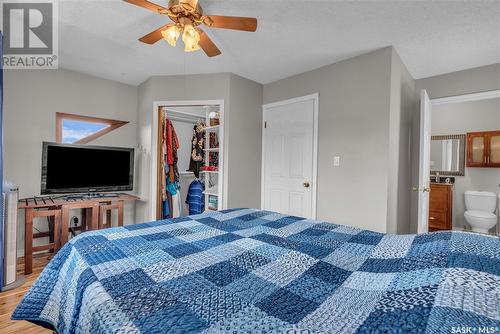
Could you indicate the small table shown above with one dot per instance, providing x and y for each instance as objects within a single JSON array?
[{"x": 56, "y": 209}]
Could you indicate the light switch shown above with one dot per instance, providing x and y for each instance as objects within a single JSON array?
[{"x": 336, "y": 161}]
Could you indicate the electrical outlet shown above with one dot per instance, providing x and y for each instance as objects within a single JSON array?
[{"x": 336, "y": 161}]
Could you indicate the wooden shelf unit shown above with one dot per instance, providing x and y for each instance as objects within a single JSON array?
[
  {"x": 483, "y": 149},
  {"x": 56, "y": 209}
]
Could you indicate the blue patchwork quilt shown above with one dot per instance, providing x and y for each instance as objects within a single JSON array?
[{"x": 249, "y": 271}]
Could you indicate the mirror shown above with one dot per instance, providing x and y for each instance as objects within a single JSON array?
[{"x": 448, "y": 155}]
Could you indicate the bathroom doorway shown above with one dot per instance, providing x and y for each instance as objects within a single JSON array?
[{"x": 447, "y": 146}]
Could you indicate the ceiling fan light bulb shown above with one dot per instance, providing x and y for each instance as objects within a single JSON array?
[
  {"x": 171, "y": 35},
  {"x": 191, "y": 47},
  {"x": 191, "y": 38}
]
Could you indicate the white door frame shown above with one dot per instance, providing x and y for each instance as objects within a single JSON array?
[
  {"x": 154, "y": 148},
  {"x": 424, "y": 172},
  {"x": 265, "y": 109},
  {"x": 491, "y": 94},
  {"x": 486, "y": 95}
]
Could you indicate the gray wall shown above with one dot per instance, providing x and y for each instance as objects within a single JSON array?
[
  {"x": 475, "y": 80},
  {"x": 354, "y": 104},
  {"x": 404, "y": 104},
  {"x": 31, "y": 100},
  {"x": 244, "y": 139},
  {"x": 33, "y": 97},
  {"x": 368, "y": 116},
  {"x": 243, "y": 114},
  {"x": 460, "y": 118}
]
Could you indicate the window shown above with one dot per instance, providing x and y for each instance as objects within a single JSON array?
[{"x": 77, "y": 129}]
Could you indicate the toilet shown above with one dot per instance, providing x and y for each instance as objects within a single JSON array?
[{"x": 480, "y": 210}]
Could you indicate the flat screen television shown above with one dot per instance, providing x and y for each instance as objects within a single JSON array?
[{"x": 68, "y": 168}]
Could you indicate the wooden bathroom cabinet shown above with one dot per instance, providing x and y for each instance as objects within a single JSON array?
[
  {"x": 440, "y": 207},
  {"x": 483, "y": 149}
]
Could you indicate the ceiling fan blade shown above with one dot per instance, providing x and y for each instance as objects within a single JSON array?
[
  {"x": 207, "y": 45},
  {"x": 154, "y": 36},
  {"x": 148, "y": 5},
  {"x": 232, "y": 22}
]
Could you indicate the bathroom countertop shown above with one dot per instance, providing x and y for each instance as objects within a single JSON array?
[{"x": 443, "y": 183}]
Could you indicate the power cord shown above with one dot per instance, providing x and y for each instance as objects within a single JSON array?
[
  {"x": 46, "y": 233},
  {"x": 74, "y": 222}
]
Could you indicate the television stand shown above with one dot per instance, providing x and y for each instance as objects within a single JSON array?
[{"x": 56, "y": 210}]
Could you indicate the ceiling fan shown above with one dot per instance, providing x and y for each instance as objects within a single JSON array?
[{"x": 187, "y": 16}]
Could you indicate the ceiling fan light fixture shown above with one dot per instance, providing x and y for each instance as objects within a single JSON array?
[
  {"x": 186, "y": 17},
  {"x": 171, "y": 35},
  {"x": 191, "y": 38}
]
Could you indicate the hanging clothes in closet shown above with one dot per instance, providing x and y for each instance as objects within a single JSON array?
[
  {"x": 195, "y": 198},
  {"x": 197, "y": 146},
  {"x": 170, "y": 178}
]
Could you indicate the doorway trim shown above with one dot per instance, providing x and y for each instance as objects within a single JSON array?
[
  {"x": 491, "y": 94},
  {"x": 154, "y": 147},
  {"x": 265, "y": 108}
]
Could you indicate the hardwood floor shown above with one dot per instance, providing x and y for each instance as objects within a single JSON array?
[{"x": 10, "y": 299}]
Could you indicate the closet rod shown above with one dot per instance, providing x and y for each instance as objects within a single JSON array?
[
  {"x": 184, "y": 120},
  {"x": 174, "y": 112}
]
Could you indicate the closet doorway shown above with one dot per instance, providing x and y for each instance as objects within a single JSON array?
[{"x": 187, "y": 158}]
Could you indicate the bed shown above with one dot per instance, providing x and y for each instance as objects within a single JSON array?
[{"x": 253, "y": 271}]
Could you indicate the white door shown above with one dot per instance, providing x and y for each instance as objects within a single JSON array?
[
  {"x": 289, "y": 152},
  {"x": 424, "y": 163}
]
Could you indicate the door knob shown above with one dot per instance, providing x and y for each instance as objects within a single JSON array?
[
  {"x": 425, "y": 189},
  {"x": 306, "y": 184}
]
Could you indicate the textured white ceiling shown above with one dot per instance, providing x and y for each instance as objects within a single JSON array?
[{"x": 432, "y": 37}]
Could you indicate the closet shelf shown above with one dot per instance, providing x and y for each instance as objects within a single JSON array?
[
  {"x": 209, "y": 171},
  {"x": 212, "y": 128},
  {"x": 211, "y": 191}
]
